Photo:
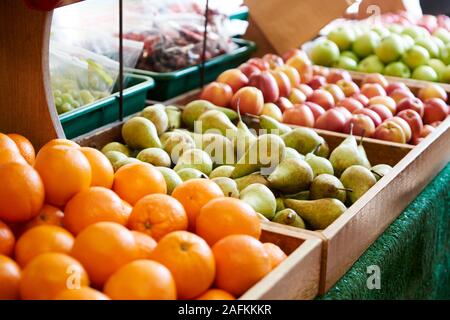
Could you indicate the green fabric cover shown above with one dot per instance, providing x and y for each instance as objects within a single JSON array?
[{"x": 413, "y": 253}]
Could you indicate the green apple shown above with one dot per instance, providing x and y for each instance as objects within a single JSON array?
[
  {"x": 408, "y": 42},
  {"x": 416, "y": 56},
  {"x": 415, "y": 31},
  {"x": 430, "y": 45},
  {"x": 426, "y": 73},
  {"x": 445, "y": 54},
  {"x": 346, "y": 63},
  {"x": 390, "y": 48},
  {"x": 395, "y": 28},
  {"x": 445, "y": 75},
  {"x": 437, "y": 65},
  {"x": 439, "y": 43},
  {"x": 350, "y": 54},
  {"x": 343, "y": 37},
  {"x": 397, "y": 69},
  {"x": 371, "y": 64},
  {"x": 366, "y": 43},
  {"x": 442, "y": 34},
  {"x": 382, "y": 31},
  {"x": 325, "y": 53}
]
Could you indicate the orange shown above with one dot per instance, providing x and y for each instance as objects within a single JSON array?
[
  {"x": 65, "y": 171},
  {"x": 61, "y": 142},
  {"x": 40, "y": 240},
  {"x": 103, "y": 248},
  {"x": 25, "y": 147},
  {"x": 145, "y": 243},
  {"x": 194, "y": 194},
  {"x": 241, "y": 261},
  {"x": 8, "y": 155},
  {"x": 189, "y": 259},
  {"x": 21, "y": 192},
  {"x": 136, "y": 180},
  {"x": 50, "y": 273},
  {"x": 9, "y": 279},
  {"x": 141, "y": 280},
  {"x": 102, "y": 170},
  {"x": 276, "y": 255},
  {"x": 83, "y": 293},
  {"x": 225, "y": 216},
  {"x": 93, "y": 205},
  {"x": 7, "y": 240},
  {"x": 216, "y": 294},
  {"x": 157, "y": 215},
  {"x": 8, "y": 143},
  {"x": 48, "y": 215}
]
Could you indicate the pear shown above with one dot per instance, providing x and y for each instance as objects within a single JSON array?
[
  {"x": 362, "y": 152},
  {"x": 116, "y": 146},
  {"x": 346, "y": 155},
  {"x": 222, "y": 171},
  {"x": 358, "y": 179},
  {"x": 176, "y": 143},
  {"x": 243, "y": 138},
  {"x": 304, "y": 140},
  {"x": 260, "y": 198},
  {"x": 302, "y": 195},
  {"x": 119, "y": 164},
  {"x": 190, "y": 173},
  {"x": 140, "y": 133},
  {"x": 155, "y": 156},
  {"x": 173, "y": 117},
  {"x": 250, "y": 179},
  {"x": 380, "y": 170},
  {"x": 157, "y": 114},
  {"x": 289, "y": 217},
  {"x": 273, "y": 126},
  {"x": 323, "y": 150},
  {"x": 193, "y": 110},
  {"x": 292, "y": 153},
  {"x": 318, "y": 214},
  {"x": 291, "y": 176},
  {"x": 263, "y": 155},
  {"x": 319, "y": 165},
  {"x": 115, "y": 156},
  {"x": 327, "y": 186},
  {"x": 228, "y": 186},
  {"x": 280, "y": 204},
  {"x": 219, "y": 148},
  {"x": 171, "y": 177},
  {"x": 196, "y": 159},
  {"x": 214, "y": 121}
]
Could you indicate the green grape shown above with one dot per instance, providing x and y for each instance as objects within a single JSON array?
[
  {"x": 86, "y": 97},
  {"x": 67, "y": 98},
  {"x": 66, "y": 107},
  {"x": 58, "y": 101},
  {"x": 93, "y": 82},
  {"x": 75, "y": 104},
  {"x": 57, "y": 93}
]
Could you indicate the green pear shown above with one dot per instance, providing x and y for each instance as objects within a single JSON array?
[
  {"x": 292, "y": 153},
  {"x": 280, "y": 204},
  {"x": 260, "y": 198},
  {"x": 250, "y": 179},
  {"x": 291, "y": 176},
  {"x": 176, "y": 143},
  {"x": 380, "y": 170},
  {"x": 119, "y": 164},
  {"x": 318, "y": 214},
  {"x": 140, "y": 133},
  {"x": 174, "y": 117},
  {"x": 263, "y": 155},
  {"x": 243, "y": 138},
  {"x": 116, "y": 146},
  {"x": 196, "y": 159},
  {"x": 155, "y": 156},
  {"x": 273, "y": 126},
  {"x": 362, "y": 152},
  {"x": 228, "y": 186},
  {"x": 304, "y": 140},
  {"x": 319, "y": 165},
  {"x": 358, "y": 179},
  {"x": 221, "y": 171},
  {"x": 323, "y": 150},
  {"x": 115, "y": 156},
  {"x": 289, "y": 217},
  {"x": 327, "y": 186},
  {"x": 193, "y": 110},
  {"x": 171, "y": 177},
  {"x": 214, "y": 121},
  {"x": 219, "y": 148},
  {"x": 190, "y": 173},
  {"x": 302, "y": 195},
  {"x": 346, "y": 155},
  {"x": 157, "y": 114}
]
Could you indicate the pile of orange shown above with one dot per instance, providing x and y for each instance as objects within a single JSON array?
[{"x": 72, "y": 229}]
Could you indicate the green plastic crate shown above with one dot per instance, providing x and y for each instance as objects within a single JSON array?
[
  {"x": 241, "y": 14},
  {"x": 105, "y": 111},
  {"x": 172, "y": 84}
]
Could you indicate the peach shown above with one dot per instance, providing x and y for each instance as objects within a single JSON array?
[
  {"x": 297, "y": 96},
  {"x": 292, "y": 74},
  {"x": 259, "y": 63},
  {"x": 432, "y": 91},
  {"x": 376, "y": 78},
  {"x": 265, "y": 82},
  {"x": 323, "y": 98},
  {"x": 371, "y": 90},
  {"x": 317, "y": 82},
  {"x": 249, "y": 69},
  {"x": 249, "y": 99},
  {"x": 283, "y": 82},
  {"x": 337, "y": 75},
  {"x": 300, "y": 115},
  {"x": 307, "y": 90},
  {"x": 273, "y": 60},
  {"x": 385, "y": 100},
  {"x": 284, "y": 104},
  {"x": 218, "y": 93},
  {"x": 348, "y": 87},
  {"x": 235, "y": 78},
  {"x": 335, "y": 91}
]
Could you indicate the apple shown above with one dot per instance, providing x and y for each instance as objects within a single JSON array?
[
  {"x": 382, "y": 111},
  {"x": 324, "y": 53},
  {"x": 437, "y": 65},
  {"x": 405, "y": 127},
  {"x": 445, "y": 54},
  {"x": 293, "y": 52},
  {"x": 300, "y": 115},
  {"x": 235, "y": 78},
  {"x": 307, "y": 90},
  {"x": 371, "y": 90},
  {"x": 432, "y": 91},
  {"x": 390, "y": 48},
  {"x": 390, "y": 131},
  {"x": 249, "y": 69},
  {"x": 259, "y": 63},
  {"x": 383, "y": 32},
  {"x": 415, "y": 31},
  {"x": 272, "y": 110},
  {"x": 385, "y": 100},
  {"x": 400, "y": 94},
  {"x": 306, "y": 74},
  {"x": 435, "y": 109},
  {"x": 249, "y": 99},
  {"x": 336, "y": 75},
  {"x": 218, "y": 93},
  {"x": 335, "y": 91},
  {"x": 360, "y": 125},
  {"x": 371, "y": 114},
  {"x": 411, "y": 103},
  {"x": 371, "y": 64},
  {"x": 408, "y": 41},
  {"x": 413, "y": 119},
  {"x": 332, "y": 120},
  {"x": 273, "y": 60},
  {"x": 351, "y": 55},
  {"x": 395, "y": 85},
  {"x": 284, "y": 104},
  {"x": 346, "y": 63},
  {"x": 317, "y": 82},
  {"x": 361, "y": 98},
  {"x": 323, "y": 98},
  {"x": 442, "y": 34},
  {"x": 348, "y": 87},
  {"x": 397, "y": 69},
  {"x": 416, "y": 140},
  {"x": 347, "y": 114},
  {"x": 320, "y": 71},
  {"x": 365, "y": 44},
  {"x": 426, "y": 130},
  {"x": 265, "y": 82},
  {"x": 283, "y": 82},
  {"x": 351, "y": 104},
  {"x": 292, "y": 74},
  {"x": 300, "y": 63},
  {"x": 376, "y": 78},
  {"x": 297, "y": 96},
  {"x": 445, "y": 75},
  {"x": 429, "y": 45},
  {"x": 315, "y": 108},
  {"x": 342, "y": 37},
  {"x": 416, "y": 56},
  {"x": 425, "y": 73}
]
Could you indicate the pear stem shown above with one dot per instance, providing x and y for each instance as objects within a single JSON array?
[
  {"x": 316, "y": 148},
  {"x": 374, "y": 172},
  {"x": 345, "y": 189},
  {"x": 239, "y": 110},
  {"x": 351, "y": 128},
  {"x": 204, "y": 176},
  {"x": 362, "y": 137}
]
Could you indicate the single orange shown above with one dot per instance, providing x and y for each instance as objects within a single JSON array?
[
  {"x": 145, "y": 243},
  {"x": 40, "y": 240},
  {"x": 102, "y": 170},
  {"x": 48, "y": 215},
  {"x": 83, "y": 293},
  {"x": 9, "y": 155},
  {"x": 93, "y": 205},
  {"x": 225, "y": 216},
  {"x": 189, "y": 259},
  {"x": 25, "y": 147},
  {"x": 65, "y": 171},
  {"x": 216, "y": 294},
  {"x": 50, "y": 273},
  {"x": 103, "y": 248},
  {"x": 61, "y": 142},
  {"x": 8, "y": 143},
  {"x": 21, "y": 192},
  {"x": 141, "y": 280},
  {"x": 241, "y": 261},
  {"x": 136, "y": 180},
  {"x": 158, "y": 215},
  {"x": 194, "y": 194},
  {"x": 276, "y": 255},
  {"x": 7, "y": 240},
  {"x": 9, "y": 278}
]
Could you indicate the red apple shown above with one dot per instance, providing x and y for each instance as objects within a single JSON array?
[
  {"x": 283, "y": 82},
  {"x": 292, "y": 74},
  {"x": 284, "y": 104},
  {"x": 376, "y": 78},
  {"x": 249, "y": 69},
  {"x": 323, "y": 98},
  {"x": 218, "y": 93},
  {"x": 348, "y": 87},
  {"x": 235, "y": 78},
  {"x": 347, "y": 114},
  {"x": 317, "y": 82},
  {"x": 300, "y": 115},
  {"x": 416, "y": 140},
  {"x": 413, "y": 119},
  {"x": 307, "y": 90},
  {"x": 411, "y": 103},
  {"x": 435, "y": 109},
  {"x": 395, "y": 85},
  {"x": 432, "y": 91},
  {"x": 297, "y": 96},
  {"x": 404, "y": 125},
  {"x": 382, "y": 111},
  {"x": 351, "y": 104},
  {"x": 361, "y": 98},
  {"x": 259, "y": 63},
  {"x": 273, "y": 60},
  {"x": 332, "y": 120},
  {"x": 335, "y": 91},
  {"x": 390, "y": 131},
  {"x": 249, "y": 99},
  {"x": 371, "y": 90},
  {"x": 320, "y": 71},
  {"x": 336, "y": 75},
  {"x": 371, "y": 114},
  {"x": 400, "y": 94},
  {"x": 427, "y": 129},
  {"x": 385, "y": 100},
  {"x": 316, "y": 109},
  {"x": 303, "y": 65},
  {"x": 266, "y": 82},
  {"x": 292, "y": 52},
  {"x": 362, "y": 125}
]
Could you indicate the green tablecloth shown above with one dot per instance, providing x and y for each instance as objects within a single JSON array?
[{"x": 413, "y": 254}]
